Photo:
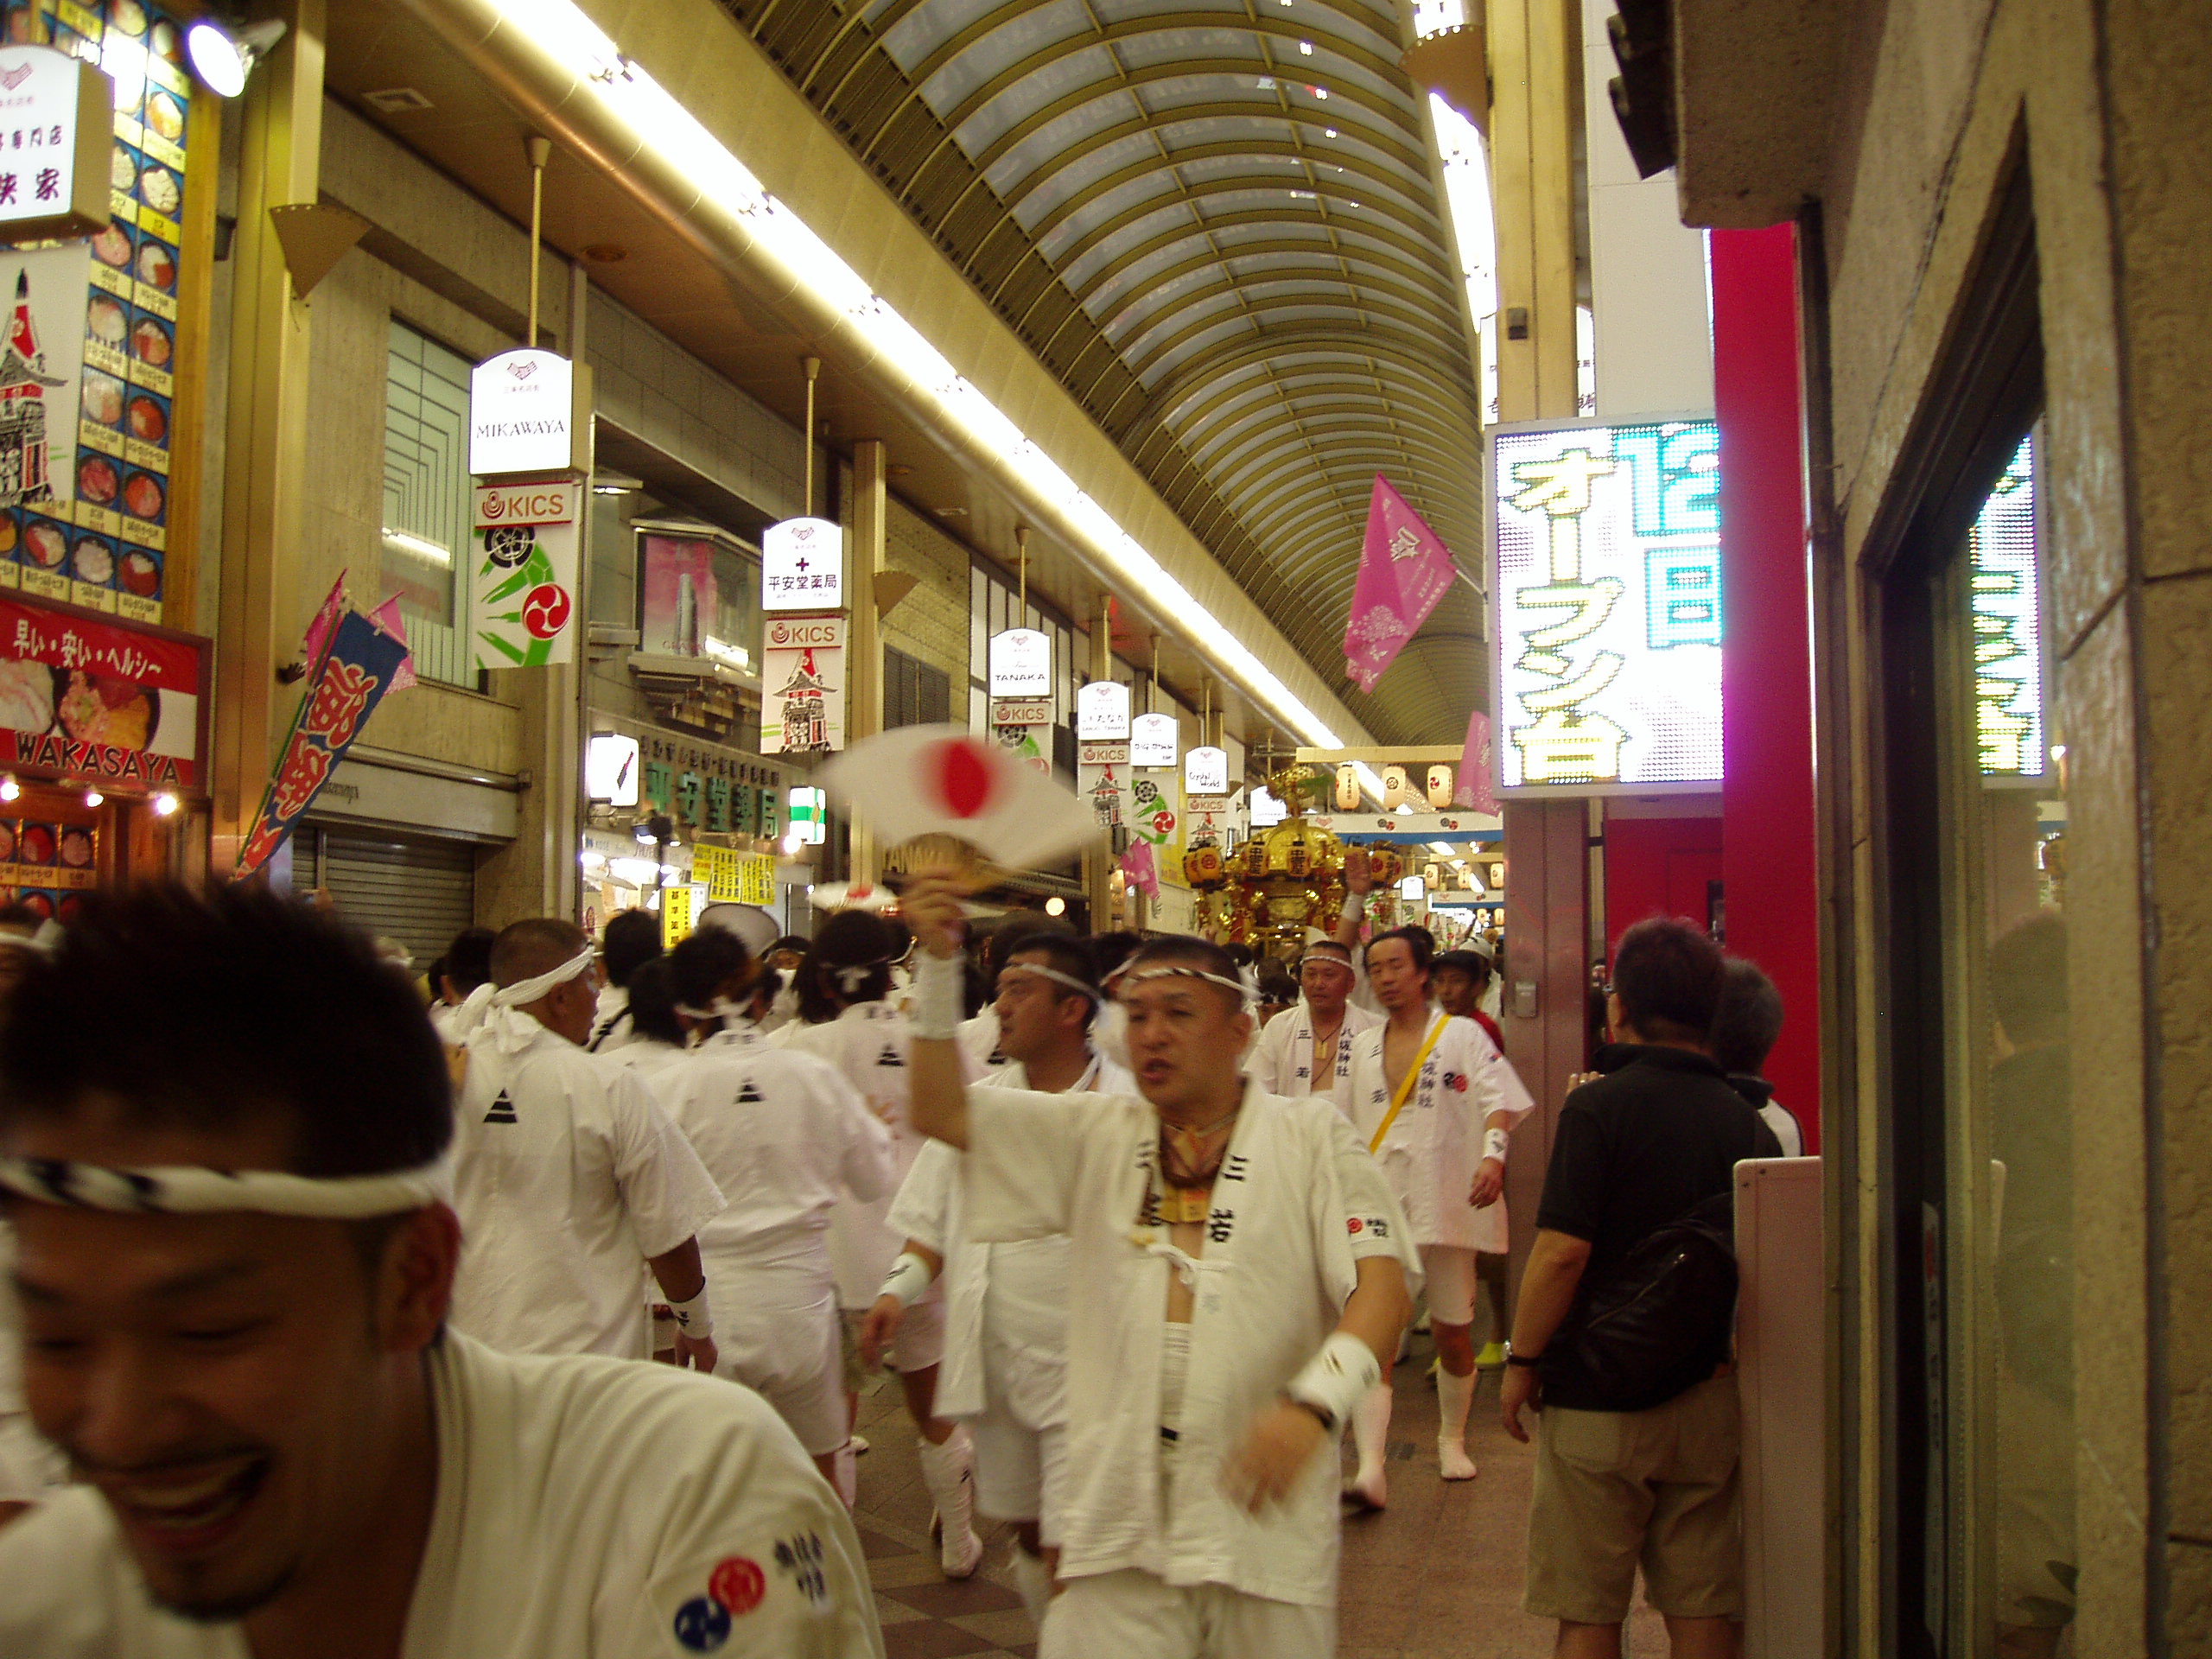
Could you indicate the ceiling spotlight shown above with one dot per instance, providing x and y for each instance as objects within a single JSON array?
[
  {"x": 165, "y": 804},
  {"x": 222, "y": 58}
]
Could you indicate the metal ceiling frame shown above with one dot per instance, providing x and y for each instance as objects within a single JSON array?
[{"x": 1319, "y": 342}]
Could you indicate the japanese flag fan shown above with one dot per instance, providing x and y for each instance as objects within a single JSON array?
[{"x": 939, "y": 784}]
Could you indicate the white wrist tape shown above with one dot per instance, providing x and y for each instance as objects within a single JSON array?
[
  {"x": 908, "y": 1278},
  {"x": 1494, "y": 1144},
  {"x": 938, "y": 1004},
  {"x": 1354, "y": 907},
  {"x": 692, "y": 1318},
  {"x": 1338, "y": 1378}
]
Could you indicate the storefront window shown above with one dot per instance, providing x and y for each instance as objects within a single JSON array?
[
  {"x": 426, "y": 500},
  {"x": 2005, "y": 1237}
]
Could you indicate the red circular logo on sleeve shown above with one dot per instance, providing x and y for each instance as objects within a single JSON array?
[
  {"x": 738, "y": 1585},
  {"x": 1353, "y": 1224}
]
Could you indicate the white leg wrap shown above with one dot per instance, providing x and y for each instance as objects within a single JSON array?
[
  {"x": 1370, "y": 1436},
  {"x": 949, "y": 1471},
  {"x": 1454, "y": 1395}
]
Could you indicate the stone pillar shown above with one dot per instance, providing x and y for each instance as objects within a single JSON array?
[{"x": 261, "y": 614}]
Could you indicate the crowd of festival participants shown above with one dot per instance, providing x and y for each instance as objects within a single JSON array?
[{"x": 334, "y": 1320}]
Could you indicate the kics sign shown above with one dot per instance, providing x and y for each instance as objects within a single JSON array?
[
  {"x": 791, "y": 633},
  {"x": 526, "y": 503}
]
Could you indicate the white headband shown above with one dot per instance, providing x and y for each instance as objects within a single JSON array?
[
  {"x": 188, "y": 1191},
  {"x": 1344, "y": 962},
  {"x": 1055, "y": 975},
  {"x": 525, "y": 992},
  {"x": 1244, "y": 991}
]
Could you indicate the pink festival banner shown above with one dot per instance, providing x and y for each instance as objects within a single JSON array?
[
  {"x": 1404, "y": 569},
  {"x": 1478, "y": 784}
]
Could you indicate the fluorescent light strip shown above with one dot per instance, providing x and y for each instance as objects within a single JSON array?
[{"x": 664, "y": 125}]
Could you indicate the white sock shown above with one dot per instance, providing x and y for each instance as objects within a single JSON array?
[
  {"x": 1370, "y": 1435},
  {"x": 1454, "y": 1395}
]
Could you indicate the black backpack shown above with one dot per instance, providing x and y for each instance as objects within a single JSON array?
[{"x": 1647, "y": 1331}]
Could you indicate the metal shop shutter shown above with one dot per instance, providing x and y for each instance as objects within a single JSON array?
[{"x": 417, "y": 890}]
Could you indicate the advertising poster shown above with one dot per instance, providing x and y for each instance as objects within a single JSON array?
[
  {"x": 803, "y": 686},
  {"x": 522, "y": 607},
  {"x": 676, "y": 598},
  {"x": 1607, "y": 578},
  {"x": 98, "y": 700},
  {"x": 43, "y": 378}
]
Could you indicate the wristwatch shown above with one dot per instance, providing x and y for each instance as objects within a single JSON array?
[{"x": 1528, "y": 1361}]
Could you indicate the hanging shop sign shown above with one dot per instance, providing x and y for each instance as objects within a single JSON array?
[
  {"x": 1607, "y": 564},
  {"x": 522, "y": 606},
  {"x": 611, "y": 763},
  {"x": 1205, "y": 772},
  {"x": 803, "y": 566},
  {"x": 1267, "y": 811},
  {"x": 803, "y": 698},
  {"x": 57, "y": 126},
  {"x": 528, "y": 410},
  {"x": 2007, "y": 626},
  {"x": 1102, "y": 712},
  {"x": 357, "y": 666},
  {"x": 1021, "y": 711},
  {"x": 83, "y": 696},
  {"x": 1153, "y": 741},
  {"x": 1021, "y": 664}
]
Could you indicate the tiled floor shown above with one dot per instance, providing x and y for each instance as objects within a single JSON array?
[{"x": 1437, "y": 1575}]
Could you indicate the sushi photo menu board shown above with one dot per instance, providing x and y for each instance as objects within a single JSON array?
[{"x": 107, "y": 548}]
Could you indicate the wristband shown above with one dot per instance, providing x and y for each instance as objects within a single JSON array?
[
  {"x": 1493, "y": 1143},
  {"x": 938, "y": 998},
  {"x": 908, "y": 1278},
  {"x": 1337, "y": 1379},
  {"x": 692, "y": 1318},
  {"x": 1354, "y": 907},
  {"x": 1526, "y": 1362}
]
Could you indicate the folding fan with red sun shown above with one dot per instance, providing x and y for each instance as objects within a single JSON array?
[{"x": 920, "y": 781}]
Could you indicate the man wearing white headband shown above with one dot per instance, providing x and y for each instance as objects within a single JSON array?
[
  {"x": 567, "y": 1174},
  {"x": 1007, "y": 1304},
  {"x": 784, "y": 1136},
  {"x": 28, "y": 1467},
  {"x": 1243, "y": 1278},
  {"x": 235, "y": 1265},
  {"x": 1307, "y": 1049},
  {"x": 1435, "y": 1101}
]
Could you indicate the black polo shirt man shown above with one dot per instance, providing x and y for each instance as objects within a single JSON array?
[{"x": 1658, "y": 1133}]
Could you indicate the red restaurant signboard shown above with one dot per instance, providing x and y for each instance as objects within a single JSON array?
[{"x": 84, "y": 695}]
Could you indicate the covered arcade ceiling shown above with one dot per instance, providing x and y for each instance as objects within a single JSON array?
[{"x": 1217, "y": 222}]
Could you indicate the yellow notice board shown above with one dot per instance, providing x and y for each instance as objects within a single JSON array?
[
  {"x": 716, "y": 869},
  {"x": 756, "y": 879},
  {"x": 675, "y": 915}
]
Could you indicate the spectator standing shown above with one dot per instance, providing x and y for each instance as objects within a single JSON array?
[
  {"x": 1745, "y": 1032},
  {"x": 628, "y": 942},
  {"x": 1654, "y": 1138}
]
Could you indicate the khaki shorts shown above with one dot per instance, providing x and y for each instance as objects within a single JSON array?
[{"x": 1615, "y": 1490}]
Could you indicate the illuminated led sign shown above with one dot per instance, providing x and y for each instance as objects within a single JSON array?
[
  {"x": 2007, "y": 637},
  {"x": 1606, "y": 566}
]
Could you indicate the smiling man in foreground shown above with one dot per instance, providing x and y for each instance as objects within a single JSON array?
[
  {"x": 236, "y": 1255},
  {"x": 1237, "y": 1277}
]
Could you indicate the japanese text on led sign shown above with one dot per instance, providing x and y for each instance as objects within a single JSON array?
[
  {"x": 2007, "y": 640},
  {"x": 1607, "y": 576}
]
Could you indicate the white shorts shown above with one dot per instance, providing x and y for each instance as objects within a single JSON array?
[
  {"x": 790, "y": 1357},
  {"x": 919, "y": 1345},
  {"x": 1132, "y": 1612},
  {"x": 1448, "y": 1275},
  {"x": 1021, "y": 1440}
]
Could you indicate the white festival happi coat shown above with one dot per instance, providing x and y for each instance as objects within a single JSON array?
[
  {"x": 567, "y": 1176},
  {"x": 867, "y": 1042},
  {"x": 1435, "y": 1146},
  {"x": 587, "y": 1508},
  {"x": 1282, "y": 1061},
  {"x": 1030, "y": 1276},
  {"x": 1297, "y": 1202}
]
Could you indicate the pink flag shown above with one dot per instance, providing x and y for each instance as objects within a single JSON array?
[
  {"x": 1404, "y": 569},
  {"x": 325, "y": 620},
  {"x": 1138, "y": 868},
  {"x": 1478, "y": 784},
  {"x": 386, "y": 616}
]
